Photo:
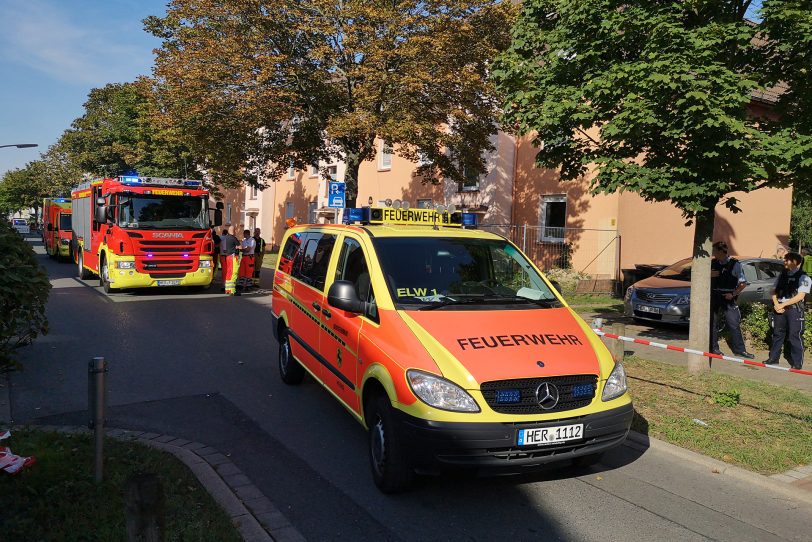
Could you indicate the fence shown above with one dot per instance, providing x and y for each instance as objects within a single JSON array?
[{"x": 589, "y": 251}]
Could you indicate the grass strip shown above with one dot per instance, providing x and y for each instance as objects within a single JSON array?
[
  {"x": 57, "y": 499},
  {"x": 758, "y": 426}
]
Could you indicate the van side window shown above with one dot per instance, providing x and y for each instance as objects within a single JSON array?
[
  {"x": 352, "y": 266},
  {"x": 315, "y": 257}
]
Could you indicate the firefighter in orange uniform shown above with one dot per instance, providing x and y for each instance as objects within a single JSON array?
[{"x": 246, "y": 261}]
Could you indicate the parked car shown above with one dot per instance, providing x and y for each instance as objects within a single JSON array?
[
  {"x": 666, "y": 296},
  {"x": 21, "y": 225}
]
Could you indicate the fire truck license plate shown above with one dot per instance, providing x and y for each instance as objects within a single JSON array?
[
  {"x": 168, "y": 283},
  {"x": 550, "y": 435}
]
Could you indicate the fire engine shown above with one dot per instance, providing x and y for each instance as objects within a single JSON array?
[
  {"x": 56, "y": 227},
  {"x": 136, "y": 232}
]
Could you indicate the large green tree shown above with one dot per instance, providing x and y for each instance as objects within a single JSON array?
[
  {"x": 119, "y": 132},
  {"x": 262, "y": 85},
  {"x": 654, "y": 95},
  {"x": 22, "y": 188}
]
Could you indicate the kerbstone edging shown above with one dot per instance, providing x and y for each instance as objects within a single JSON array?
[
  {"x": 256, "y": 518},
  {"x": 638, "y": 441}
]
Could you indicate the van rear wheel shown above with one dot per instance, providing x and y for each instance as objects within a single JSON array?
[
  {"x": 83, "y": 273},
  {"x": 290, "y": 370}
]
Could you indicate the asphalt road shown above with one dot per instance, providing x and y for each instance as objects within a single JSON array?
[{"x": 201, "y": 366}]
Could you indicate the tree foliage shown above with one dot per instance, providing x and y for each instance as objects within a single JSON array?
[
  {"x": 21, "y": 188},
  {"x": 23, "y": 295},
  {"x": 654, "y": 96},
  {"x": 261, "y": 85},
  {"x": 119, "y": 133}
]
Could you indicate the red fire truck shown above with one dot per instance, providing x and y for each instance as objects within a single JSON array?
[
  {"x": 56, "y": 227},
  {"x": 136, "y": 232}
]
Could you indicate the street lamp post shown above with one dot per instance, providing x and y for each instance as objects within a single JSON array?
[{"x": 21, "y": 145}]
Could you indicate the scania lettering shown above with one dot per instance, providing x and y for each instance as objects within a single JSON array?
[
  {"x": 138, "y": 232},
  {"x": 446, "y": 343}
]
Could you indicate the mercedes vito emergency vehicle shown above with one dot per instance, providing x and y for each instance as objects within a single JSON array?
[{"x": 446, "y": 342}]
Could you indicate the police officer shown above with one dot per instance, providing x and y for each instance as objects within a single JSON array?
[
  {"x": 727, "y": 282},
  {"x": 789, "y": 291}
]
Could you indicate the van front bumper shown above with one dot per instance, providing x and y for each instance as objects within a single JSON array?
[{"x": 493, "y": 446}]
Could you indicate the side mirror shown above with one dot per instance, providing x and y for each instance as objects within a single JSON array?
[
  {"x": 218, "y": 216},
  {"x": 50, "y": 227},
  {"x": 557, "y": 286},
  {"x": 100, "y": 214},
  {"x": 100, "y": 201},
  {"x": 342, "y": 295}
]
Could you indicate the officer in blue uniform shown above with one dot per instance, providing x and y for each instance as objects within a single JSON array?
[
  {"x": 727, "y": 282},
  {"x": 789, "y": 291}
]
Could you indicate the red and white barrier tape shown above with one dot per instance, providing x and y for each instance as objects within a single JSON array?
[{"x": 698, "y": 352}]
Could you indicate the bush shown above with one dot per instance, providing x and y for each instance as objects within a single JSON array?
[
  {"x": 567, "y": 278},
  {"x": 756, "y": 325},
  {"x": 23, "y": 295}
]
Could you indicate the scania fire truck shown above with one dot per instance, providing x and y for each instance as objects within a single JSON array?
[
  {"x": 140, "y": 232},
  {"x": 56, "y": 227}
]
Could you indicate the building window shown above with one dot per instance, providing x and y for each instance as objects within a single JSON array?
[
  {"x": 424, "y": 203},
  {"x": 332, "y": 173},
  {"x": 253, "y": 192},
  {"x": 291, "y": 171},
  {"x": 314, "y": 171},
  {"x": 229, "y": 208},
  {"x": 470, "y": 182},
  {"x": 385, "y": 161},
  {"x": 288, "y": 209},
  {"x": 553, "y": 217},
  {"x": 311, "y": 212}
]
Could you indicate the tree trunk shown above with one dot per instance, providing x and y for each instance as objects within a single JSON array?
[
  {"x": 353, "y": 162},
  {"x": 699, "y": 335}
]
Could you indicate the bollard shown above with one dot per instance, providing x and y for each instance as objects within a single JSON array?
[
  {"x": 618, "y": 348},
  {"x": 96, "y": 395}
]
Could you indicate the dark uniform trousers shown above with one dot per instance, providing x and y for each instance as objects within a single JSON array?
[
  {"x": 789, "y": 325},
  {"x": 729, "y": 310}
]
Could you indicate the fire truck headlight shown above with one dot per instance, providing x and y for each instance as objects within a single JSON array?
[
  {"x": 205, "y": 263},
  {"x": 125, "y": 265},
  {"x": 65, "y": 241},
  {"x": 440, "y": 393}
]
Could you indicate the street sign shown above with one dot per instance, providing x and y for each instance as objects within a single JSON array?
[{"x": 335, "y": 195}]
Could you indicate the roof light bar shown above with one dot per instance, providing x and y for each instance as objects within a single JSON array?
[{"x": 406, "y": 216}]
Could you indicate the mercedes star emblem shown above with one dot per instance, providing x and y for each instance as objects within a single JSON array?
[{"x": 547, "y": 395}]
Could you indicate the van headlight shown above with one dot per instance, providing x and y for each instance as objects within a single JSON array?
[
  {"x": 440, "y": 393},
  {"x": 205, "y": 263},
  {"x": 616, "y": 383},
  {"x": 125, "y": 265}
]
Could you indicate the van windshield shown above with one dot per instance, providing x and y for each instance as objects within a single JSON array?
[{"x": 430, "y": 272}]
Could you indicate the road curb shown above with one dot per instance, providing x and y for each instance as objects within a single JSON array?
[
  {"x": 255, "y": 517},
  {"x": 639, "y": 441}
]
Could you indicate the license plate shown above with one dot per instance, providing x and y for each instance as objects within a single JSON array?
[
  {"x": 646, "y": 308},
  {"x": 540, "y": 436},
  {"x": 168, "y": 283}
]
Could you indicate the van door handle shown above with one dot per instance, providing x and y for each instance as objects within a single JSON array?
[
  {"x": 316, "y": 306},
  {"x": 326, "y": 313}
]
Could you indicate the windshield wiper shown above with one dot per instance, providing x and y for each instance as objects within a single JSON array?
[
  {"x": 548, "y": 303},
  {"x": 448, "y": 301}
]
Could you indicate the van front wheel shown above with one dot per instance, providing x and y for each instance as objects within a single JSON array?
[{"x": 390, "y": 465}]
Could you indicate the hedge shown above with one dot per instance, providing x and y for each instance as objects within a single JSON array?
[{"x": 24, "y": 289}]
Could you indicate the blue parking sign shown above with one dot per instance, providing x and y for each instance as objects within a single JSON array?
[{"x": 335, "y": 195}]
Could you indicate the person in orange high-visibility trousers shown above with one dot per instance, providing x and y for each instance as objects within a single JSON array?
[
  {"x": 228, "y": 261},
  {"x": 246, "y": 262}
]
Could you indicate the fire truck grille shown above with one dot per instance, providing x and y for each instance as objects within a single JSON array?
[
  {"x": 519, "y": 396},
  {"x": 166, "y": 266}
]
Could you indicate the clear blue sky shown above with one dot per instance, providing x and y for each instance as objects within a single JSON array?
[{"x": 52, "y": 52}]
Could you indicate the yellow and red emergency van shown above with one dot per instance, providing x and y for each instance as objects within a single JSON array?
[
  {"x": 143, "y": 232},
  {"x": 56, "y": 227},
  {"x": 446, "y": 342}
]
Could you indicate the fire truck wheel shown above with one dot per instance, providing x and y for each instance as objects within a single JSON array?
[
  {"x": 289, "y": 369},
  {"x": 84, "y": 274},
  {"x": 104, "y": 276},
  {"x": 391, "y": 470}
]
